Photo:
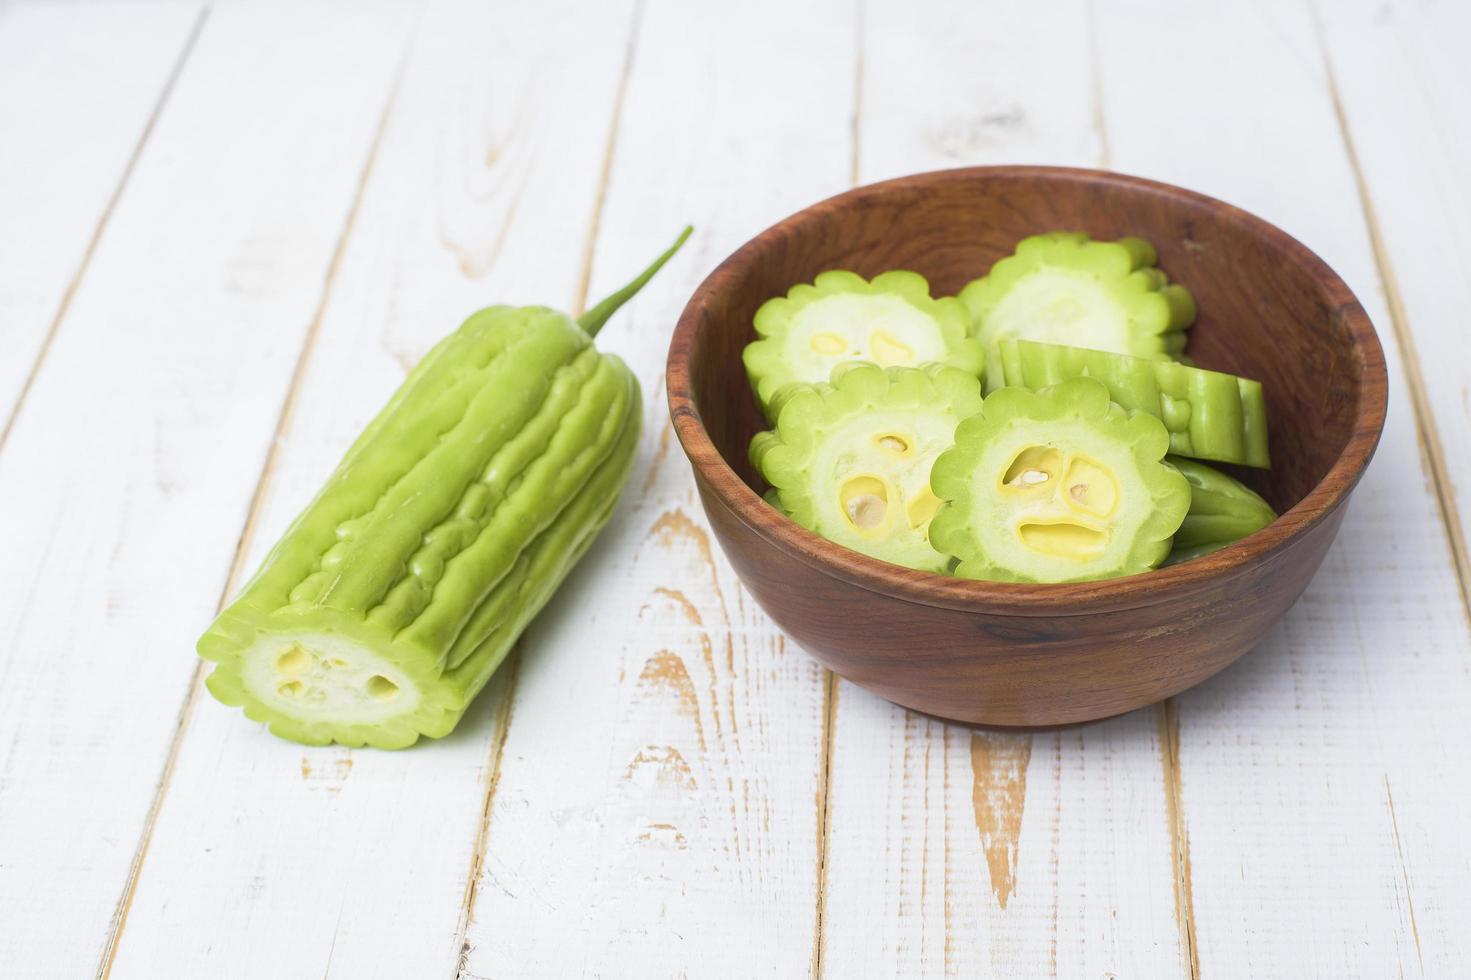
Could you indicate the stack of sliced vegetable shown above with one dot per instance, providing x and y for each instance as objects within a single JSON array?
[{"x": 1080, "y": 462}]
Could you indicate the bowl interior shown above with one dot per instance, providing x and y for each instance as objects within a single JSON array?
[{"x": 1268, "y": 309}]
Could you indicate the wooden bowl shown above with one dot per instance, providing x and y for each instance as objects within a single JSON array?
[{"x": 1002, "y": 654}]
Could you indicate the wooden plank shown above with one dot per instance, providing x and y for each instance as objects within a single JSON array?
[
  {"x": 1403, "y": 90},
  {"x": 128, "y": 475},
  {"x": 1322, "y": 777},
  {"x": 656, "y": 809},
  {"x": 952, "y": 852},
  {"x": 287, "y": 861},
  {"x": 71, "y": 140}
]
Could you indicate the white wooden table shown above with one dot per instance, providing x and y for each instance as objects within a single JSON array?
[{"x": 227, "y": 231}]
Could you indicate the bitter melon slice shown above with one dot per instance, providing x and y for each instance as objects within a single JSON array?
[
  {"x": 851, "y": 460},
  {"x": 1222, "y": 510},
  {"x": 1059, "y": 485},
  {"x": 1210, "y": 415},
  {"x": 1064, "y": 288},
  {"x": 892, "y": 322}
]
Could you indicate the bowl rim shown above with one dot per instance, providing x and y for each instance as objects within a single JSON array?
[{"x": 1030, "y": 599}]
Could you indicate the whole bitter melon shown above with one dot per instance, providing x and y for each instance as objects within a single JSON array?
[{"x": 392, "y": 599}]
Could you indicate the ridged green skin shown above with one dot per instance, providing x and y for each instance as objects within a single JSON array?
[
  {"x": 443, "y": 531},
  {"x": 1210, "y": 415},
  {"x": 826, "y": 435},
  {"x": 1222, "y": 511},
  {"x": 979, "y": 523},
  {"x": 450, "y": 521},
  {"x": 1035, "y": 293},
  {"x": 776, "y": 358}
]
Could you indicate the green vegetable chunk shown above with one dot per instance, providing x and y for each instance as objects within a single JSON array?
[
  {"x": 891, "y": 321},
  {"x": 390, "y": 601},
  {"x": 1064, "y": 288},
  {"x": 1222, "y": 511},
  {"x": 851, "y": 460},
  {"x": 1059, "y": 485},
  {"x": 1210, "y": 415}
]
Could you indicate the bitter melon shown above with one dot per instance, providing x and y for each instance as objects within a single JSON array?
[
  {"x": 1064, "y": 288},
  {"x": 1210, "y": 415},
  {"x": 891, "y": 321},
  {"x": 1222, "y": 510},
  {"x": 851, "y": 460},
  {"x": 1059, "y": 485},
  {"x": 389, "y": 602}
]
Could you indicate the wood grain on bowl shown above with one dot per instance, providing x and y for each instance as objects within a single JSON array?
[{"x": 1038, "y": 655}]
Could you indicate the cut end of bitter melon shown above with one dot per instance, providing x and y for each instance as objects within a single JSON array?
[
  {"x": 1059, "y": 485},
  {"x": 892, "y": 322},
  {"x": 1210, "y": 415},
  {"x": 1064, "y": 288},
  {"x": 851, "y": 460},
  {"x": 318, "y": 688}
]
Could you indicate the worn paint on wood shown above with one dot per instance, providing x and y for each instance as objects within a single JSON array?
[{"x": 998, "y": 765}]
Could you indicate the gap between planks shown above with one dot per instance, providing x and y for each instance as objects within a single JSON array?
[
  {"x": 589, "y": 247},
  {"x": 505, "y": 710},
  {"x": 829, "y": 679},
  {"x": 1427, "y": 432},
  {"x": 1399, "y": 851},
  {"x": 247, "y": 533},
  {"x": 102, "y": 223},
  {"x": 824, "y": 812},
  {"x": 503, "y": 715},
  {"x": 1167, "y": 716}
]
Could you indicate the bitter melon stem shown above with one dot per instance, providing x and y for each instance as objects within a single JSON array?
[{"x": 592, "y": 321}]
